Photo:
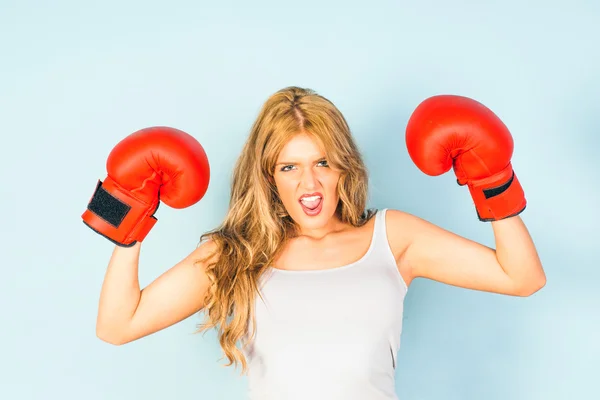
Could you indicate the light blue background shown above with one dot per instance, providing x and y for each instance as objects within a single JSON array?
[{"x": 76, "y": 77}]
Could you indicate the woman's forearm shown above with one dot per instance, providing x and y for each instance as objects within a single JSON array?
[
  {"x": 120, "y": 294},
  {"x": 517, "y": 254}
]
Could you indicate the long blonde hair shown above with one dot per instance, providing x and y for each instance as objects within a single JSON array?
[{"x": 257, "y": 225}]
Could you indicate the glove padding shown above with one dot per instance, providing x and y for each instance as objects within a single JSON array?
[
  {"x": 151, "y": 165},
  {"x": 453, "y": 131}
]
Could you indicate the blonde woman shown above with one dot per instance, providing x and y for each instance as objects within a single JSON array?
[{"x": 304, "y": 283}]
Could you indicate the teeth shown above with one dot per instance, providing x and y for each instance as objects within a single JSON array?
[{"x": 311, "y": 198}]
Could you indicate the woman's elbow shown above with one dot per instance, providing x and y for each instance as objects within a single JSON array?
[
  {"x": 110, "y": 336},
  {"x": 531, "y": 287}
]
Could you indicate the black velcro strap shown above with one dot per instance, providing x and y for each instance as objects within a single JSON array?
[
  {"x": 108, "y": 207},
  {"x": 498, "y": 190}
]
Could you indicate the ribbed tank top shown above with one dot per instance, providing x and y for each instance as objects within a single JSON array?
[{"x": 329, "y": 334}]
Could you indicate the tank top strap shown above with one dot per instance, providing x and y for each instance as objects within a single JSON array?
[
  {"x": 380, "y": 230},
  {"x": 380, "y": 247},
  {"x": 382, "y": 250}
]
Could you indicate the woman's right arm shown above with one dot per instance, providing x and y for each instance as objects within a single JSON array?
[{"x": 126, "y": 313}]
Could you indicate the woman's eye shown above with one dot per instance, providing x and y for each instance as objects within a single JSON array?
[{"x": 322, "y": 163}]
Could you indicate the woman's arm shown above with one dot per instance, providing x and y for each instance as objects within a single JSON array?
[
  {"x": 423, "y": 249},
  {"x": 127, "y": 313}
]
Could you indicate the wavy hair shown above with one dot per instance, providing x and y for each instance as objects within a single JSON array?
[{"x": 256, "y": 225}]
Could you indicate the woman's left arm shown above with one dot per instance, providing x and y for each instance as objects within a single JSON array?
[
  {"x": 432, "y": 252},
  {"x": 456, "y": 132}
]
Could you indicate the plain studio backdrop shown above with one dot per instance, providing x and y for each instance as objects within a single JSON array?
[{"x": 77, "y": 77}]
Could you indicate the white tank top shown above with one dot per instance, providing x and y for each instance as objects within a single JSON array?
[{"x": 329, "y": 334}]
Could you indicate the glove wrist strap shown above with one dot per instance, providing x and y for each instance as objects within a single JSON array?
[
  {"x": 498, "y": 196},
  {"x": 117, "y": 215}
]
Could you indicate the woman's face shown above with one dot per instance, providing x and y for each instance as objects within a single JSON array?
[{"x": 307, "y": 186}]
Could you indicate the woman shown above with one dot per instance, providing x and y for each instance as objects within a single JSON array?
[{"x": 304, "y": 284}]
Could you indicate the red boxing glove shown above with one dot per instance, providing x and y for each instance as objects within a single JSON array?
[
  {"x": 152, "y": 164},
  {"x": 452, "y": 131}
]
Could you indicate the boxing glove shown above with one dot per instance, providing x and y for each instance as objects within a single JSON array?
[
  {"x": 151, "y": 165},
  {"x": 448, "y": 131}
]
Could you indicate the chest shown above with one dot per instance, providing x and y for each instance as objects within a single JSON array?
[
  {"x": 338, "y": 250},
  {"x": 339, "y": 300}
]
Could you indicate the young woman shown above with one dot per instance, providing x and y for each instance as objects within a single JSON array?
[{"x": 304, "y": 283}]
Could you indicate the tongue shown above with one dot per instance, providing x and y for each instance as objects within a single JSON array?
[{"x": 311, "y": 204}]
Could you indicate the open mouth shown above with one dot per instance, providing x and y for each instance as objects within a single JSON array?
[{"x": 311, "y": 203}]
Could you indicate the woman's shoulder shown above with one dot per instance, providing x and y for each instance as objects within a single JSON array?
[
  {"x": 400, "y": 226},
  {"x": 398, "y": 218},
  {"x": 207, "y": 250}
]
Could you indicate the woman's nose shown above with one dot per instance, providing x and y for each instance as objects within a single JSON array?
[{"x": 309, "y": 179}]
